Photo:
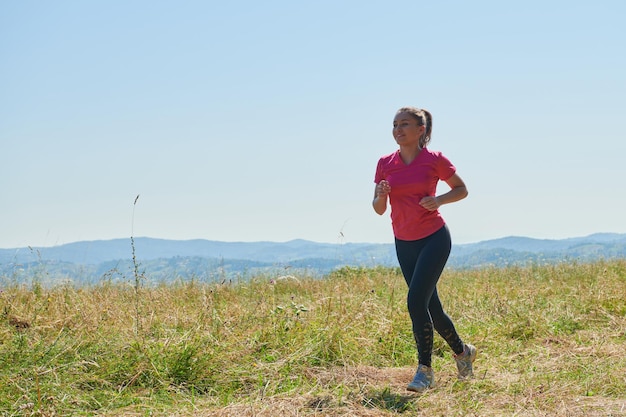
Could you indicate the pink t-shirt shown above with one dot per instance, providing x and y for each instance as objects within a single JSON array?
[{"x": 409, "y": 184}]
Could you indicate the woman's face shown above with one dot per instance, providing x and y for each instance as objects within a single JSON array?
[{"x": 406, "y": 130}]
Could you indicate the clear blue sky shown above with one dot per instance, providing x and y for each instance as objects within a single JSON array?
[{"x": 250, "y": 121}]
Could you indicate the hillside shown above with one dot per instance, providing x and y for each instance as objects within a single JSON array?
[{"x": 206, "y": 260}]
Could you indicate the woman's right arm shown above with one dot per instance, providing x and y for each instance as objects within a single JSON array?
[{"x": 381, "y": 191}]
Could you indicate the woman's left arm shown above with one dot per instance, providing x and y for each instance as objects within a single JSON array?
[{"x": 458, "y": 191}]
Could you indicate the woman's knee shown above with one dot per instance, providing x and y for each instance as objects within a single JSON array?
[{"x": 418, "y": 307}]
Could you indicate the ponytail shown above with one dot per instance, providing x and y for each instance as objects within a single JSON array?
[{"x": 428, "y": 124}]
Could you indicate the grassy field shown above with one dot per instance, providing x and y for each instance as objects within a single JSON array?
[{"x": 551, "y": 340}]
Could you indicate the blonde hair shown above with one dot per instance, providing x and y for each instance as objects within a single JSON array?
[{"x": 424, "y": 118}]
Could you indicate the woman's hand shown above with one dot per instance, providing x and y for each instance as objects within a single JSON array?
[
  {"x": 381, "y": 192},
  {"x": 383, "y": 188},
  {"x": 458, "y": 191},
  {"x": 430, "y": 203}
]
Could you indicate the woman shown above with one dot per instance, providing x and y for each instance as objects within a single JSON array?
[{"x": 408, "y": 179}]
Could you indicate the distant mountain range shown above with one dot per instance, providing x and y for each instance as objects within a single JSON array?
[{"x": 162, "y": 260}]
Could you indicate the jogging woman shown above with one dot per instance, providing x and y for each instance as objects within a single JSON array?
[{"x": 407, "y": 179}]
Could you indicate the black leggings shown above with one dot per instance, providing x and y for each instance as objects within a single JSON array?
[{"x": 422, "y": 262}]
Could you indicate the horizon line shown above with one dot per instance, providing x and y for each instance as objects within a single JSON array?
[{"x": 298, "y": 239}]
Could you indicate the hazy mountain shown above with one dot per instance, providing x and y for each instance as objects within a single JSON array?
[
  {"x": 95, "y": 252},
  {"x": 523, "y": 250},
  {"x": 166, "y": 260}
]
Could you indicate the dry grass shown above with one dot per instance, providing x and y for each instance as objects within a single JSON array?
[{"x": 551, "y": 342}]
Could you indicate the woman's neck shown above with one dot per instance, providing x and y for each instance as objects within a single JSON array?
[{"x": 408, "y": 154}]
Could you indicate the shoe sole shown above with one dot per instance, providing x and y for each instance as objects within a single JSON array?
[
  {"x": 419, "y": 390},
  {"x": 416, "y": 389}
]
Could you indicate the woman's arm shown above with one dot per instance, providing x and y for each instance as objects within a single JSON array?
[
  {"x": 458, "y": 191},
  {"x": 380, "y": 197}
]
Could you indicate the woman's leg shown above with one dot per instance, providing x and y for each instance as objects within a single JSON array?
[
  {"x": 422, "y": 262},
  {"x": 443, "y": 324}
]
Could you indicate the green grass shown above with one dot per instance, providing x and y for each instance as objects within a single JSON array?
[{"x": 551, "y": 341}]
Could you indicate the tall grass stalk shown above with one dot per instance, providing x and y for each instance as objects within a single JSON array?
[{"x": 137, "y": 276}]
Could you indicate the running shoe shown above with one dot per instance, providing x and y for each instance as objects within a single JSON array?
[
  {"x": 465, "y": 361},
  {"x": 424, "y": 378}
]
